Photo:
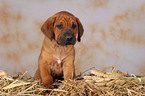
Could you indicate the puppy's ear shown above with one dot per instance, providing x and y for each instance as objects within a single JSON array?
[
  {"x": 48, "y": 28},
  {"x": 80, "y": 29}
]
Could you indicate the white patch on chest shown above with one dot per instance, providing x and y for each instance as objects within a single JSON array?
[{"x": 59, "y": 61}]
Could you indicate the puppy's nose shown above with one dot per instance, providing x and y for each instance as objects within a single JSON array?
[{"x": 69, "y": 37}]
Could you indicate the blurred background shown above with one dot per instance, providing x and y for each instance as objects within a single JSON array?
[{"x": 114, "y": 33}]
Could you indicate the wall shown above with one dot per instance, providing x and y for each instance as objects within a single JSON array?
[{"x": 114, "y": 33}]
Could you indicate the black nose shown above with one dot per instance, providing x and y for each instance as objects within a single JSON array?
[{"x": 69, "y": 37}]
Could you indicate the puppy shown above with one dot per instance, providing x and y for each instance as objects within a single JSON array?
[{"x": 56, "y": 60}]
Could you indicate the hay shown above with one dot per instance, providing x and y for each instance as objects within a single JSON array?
[
  {"x": 97, "y": 83},
  {"x": 104, "y": 83}
]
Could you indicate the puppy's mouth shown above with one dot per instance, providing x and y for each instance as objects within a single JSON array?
[
  {"x": 63, "y": 43},
  {"x": 69, "y": 43},
  {"x": 66, "y": 40}
]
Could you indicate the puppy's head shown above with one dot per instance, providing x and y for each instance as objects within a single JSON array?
[{"x": 64, "y": 28}]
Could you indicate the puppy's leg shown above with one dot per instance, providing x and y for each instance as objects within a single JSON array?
[
  {"x": 69, "y": 68},
  {"x": 46, "y": 78},
  {"x": 37, "y": 75},
  {"x": 69, "y": 72}
]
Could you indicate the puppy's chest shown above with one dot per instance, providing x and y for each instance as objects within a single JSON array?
[
  {"x": 56, "y": 67},
  {"x": 60, "y": 53}
]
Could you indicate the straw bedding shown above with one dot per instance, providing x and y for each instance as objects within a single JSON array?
[{"x": 98, "y": 83}]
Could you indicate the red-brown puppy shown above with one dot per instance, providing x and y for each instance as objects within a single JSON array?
[{"x": 56, "y": 60}]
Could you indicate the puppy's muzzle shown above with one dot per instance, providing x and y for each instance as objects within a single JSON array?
[{"x": 67, "y": 39}]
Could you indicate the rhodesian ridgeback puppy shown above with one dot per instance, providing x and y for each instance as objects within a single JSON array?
[{"x": 56, "y": 60}]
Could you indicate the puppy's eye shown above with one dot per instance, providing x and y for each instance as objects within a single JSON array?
[
  {"x": 60, "y": 26},
  {"x": 74, "y": 26}
]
